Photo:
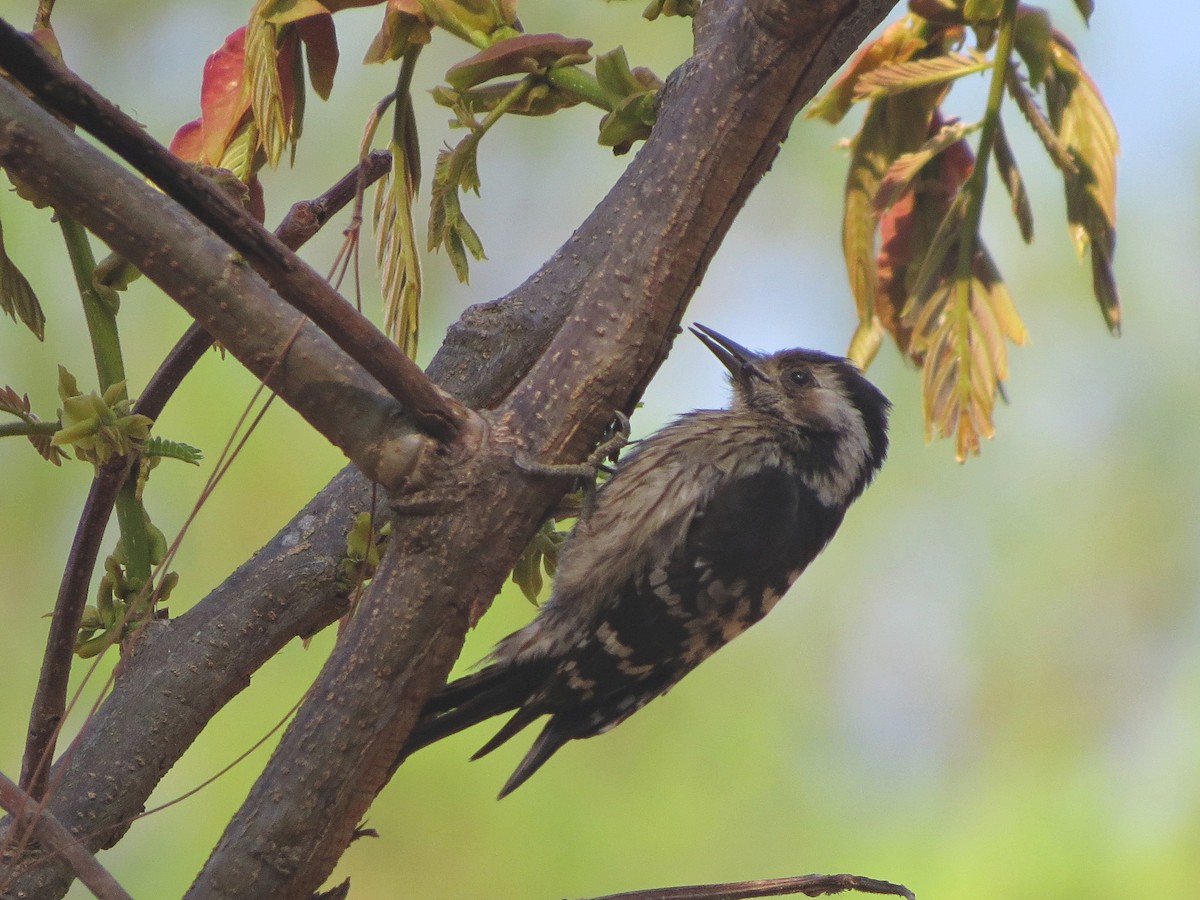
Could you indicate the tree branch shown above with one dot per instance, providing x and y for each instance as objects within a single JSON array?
[
  {"x": 302, "y": 222},
  {"x": 811, "y": 885},
  {"x": 657, "y": 242},
  {"x": 28, "y": 814},
  {"x": 297, "y": 283},
  {"x": 197, "y": 269}
]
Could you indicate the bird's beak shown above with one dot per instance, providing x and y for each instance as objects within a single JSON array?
[{"x": 742, "y": 364}]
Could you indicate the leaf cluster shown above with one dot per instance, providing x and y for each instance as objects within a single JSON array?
[
  {"x": 918, "y": 268},
  {"x": 253, "y": 100}
]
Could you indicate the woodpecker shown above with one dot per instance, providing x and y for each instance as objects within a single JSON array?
[{"x": 700, "y": 531}]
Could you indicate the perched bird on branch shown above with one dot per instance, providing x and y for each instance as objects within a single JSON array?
[{"x": 697, "y": 535}]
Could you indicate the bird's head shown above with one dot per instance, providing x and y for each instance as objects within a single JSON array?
[{"x": 818, "y": 394}]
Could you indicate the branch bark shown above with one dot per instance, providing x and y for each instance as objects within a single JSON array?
[
  {"x": 552, "y": 359},
  {"x": 213, "y": 283},
  {"x": 297, "y": 283}
]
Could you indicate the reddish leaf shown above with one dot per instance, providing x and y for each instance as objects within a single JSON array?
[
  {"x": 321, "y": 50},
  {"x": 404, "y": 24},
  {"x": 222, "y": 103},
  {"x": 188, "y": 143},
  {"x": 522, "y": 54},
  {"x": 897, "y": 43}
]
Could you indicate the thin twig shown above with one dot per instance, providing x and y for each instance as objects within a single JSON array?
[
  {"x": 49, "y": 702},
  {"x": 811, "y": 885},
  {"x": 51, "y": 833}
]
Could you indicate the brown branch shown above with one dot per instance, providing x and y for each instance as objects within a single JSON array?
[
  {"x": 812, "y": 885},
  {"x": 50, "y": 698},
  {"x": 300, "y": 225},
  {"x": 27, "y": 813},
  {"x": 298, "y": 284},
  {"x": 303, "y": 221},
  {"x": 197, "y": 269}
]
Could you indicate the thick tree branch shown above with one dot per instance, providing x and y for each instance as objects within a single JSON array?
[
  {"x": 619, "y": 284},
  {"x": 28, "y": 815},
  {"x": 212, "y": 283},
  {"x": 298, "y": 284}
]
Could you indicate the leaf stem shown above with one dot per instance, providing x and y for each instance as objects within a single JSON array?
[
  {"x": 581, "y": 84},
  {"x": 100, "y": 311},
  {"x": 976, "y": 185},
  {"x": 23, "y": 428},
  {"x": 975, "y": 189}
]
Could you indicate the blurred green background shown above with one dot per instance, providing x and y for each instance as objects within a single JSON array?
[{"x": 988, "y": 686}]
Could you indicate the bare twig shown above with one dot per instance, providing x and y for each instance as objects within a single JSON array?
[
  {"x": 50, "y": 699},
  {"x": 51, "y": 833},
  {"x": 811, "y": 885}
]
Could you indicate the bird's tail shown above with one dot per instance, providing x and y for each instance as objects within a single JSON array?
[{"x": 493, "y": 690}]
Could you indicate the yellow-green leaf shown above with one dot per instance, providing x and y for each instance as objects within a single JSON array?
[
  {"x": 897, "y": 77},
  {"x": 1006, "y": 163},
  {"x": 17, "y": 297}
]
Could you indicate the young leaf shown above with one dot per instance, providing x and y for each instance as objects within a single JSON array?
[
  {"x": 897, "y": 77},
  {"x": 404, "y": 25},
  {"x": 17, "y": 297},
  {"x": 906, "y": 166},
  {"x": 868, "y": 162},
  {"x": 15, "y": 404},
  {"x": 1057, "y": 151},
  {"x": 165, "y": 449},
  {"x": 321, "y": 52},
  {"x": 395, "y": 250},
  {"x": 1084, "y": 125},
  {"x": 266, "y": 87},
  {"x": 899, "y": 42},
  {"x": 1006, "y": 163},
  {"x": 1031, "y": 39}
]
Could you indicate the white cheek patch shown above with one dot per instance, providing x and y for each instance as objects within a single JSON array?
[{"x": 834, "y": 486}]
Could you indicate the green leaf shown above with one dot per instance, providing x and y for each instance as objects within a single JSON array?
[
  {"x": 658, "y": 8},
  {"x": 1031, "y": 38},
  {"x": 982, "y": 10},
  {"x": 1084, "y": 125},
  {"x": 165, "y": 449},
  {"x": 897, "y": 77},
  {"x": 395, "y": 230},
  {"x": 1055, "y": 149},
  {"x": 17, "y": 297},
  {"x": 868, "y": 162}
]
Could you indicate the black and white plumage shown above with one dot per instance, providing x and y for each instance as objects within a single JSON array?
[{"x": 700, "y": 531}]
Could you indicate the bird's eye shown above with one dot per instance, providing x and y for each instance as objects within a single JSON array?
[{"x": 801, "y": 377}]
